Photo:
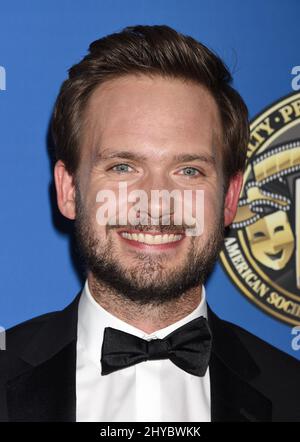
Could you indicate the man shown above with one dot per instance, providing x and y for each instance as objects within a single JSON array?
[{"x": 151, "y": 109}]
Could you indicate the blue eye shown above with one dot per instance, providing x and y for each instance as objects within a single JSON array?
[
  {"x": 121, "y": 168},
  {"x": 191, "y": 171}
]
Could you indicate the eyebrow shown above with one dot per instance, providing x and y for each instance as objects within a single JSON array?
[{"x": 184, "y": 157}]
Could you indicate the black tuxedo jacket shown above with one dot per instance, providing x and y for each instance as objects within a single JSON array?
[{"x": 250, "y": 379}]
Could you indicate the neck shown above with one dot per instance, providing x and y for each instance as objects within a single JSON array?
[{"x": 148, "y": 318}]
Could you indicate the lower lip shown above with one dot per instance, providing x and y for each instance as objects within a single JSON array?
[{"x": 152, "y": 247}]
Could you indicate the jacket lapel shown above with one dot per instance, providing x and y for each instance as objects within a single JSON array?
[
  {"x": 232, "y": 369},
  {"x": 44, "y": 389}
]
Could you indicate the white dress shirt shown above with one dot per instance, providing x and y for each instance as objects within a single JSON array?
[{"x": 150, "y": 391}]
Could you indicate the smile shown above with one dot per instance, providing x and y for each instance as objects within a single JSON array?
[
  {"x": 151, "y": 239},
  {"x": 275, "y": 256}
]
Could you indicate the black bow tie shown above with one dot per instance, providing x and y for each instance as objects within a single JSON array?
[{"x": 188, "y": 347}]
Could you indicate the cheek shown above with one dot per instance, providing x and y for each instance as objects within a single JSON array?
[
  {"x": 89, "y": 216},
  {"x": 211, "y": 223},
  {"x": 213, "y": 211}
]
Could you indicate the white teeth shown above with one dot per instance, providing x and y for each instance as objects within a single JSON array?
[
  {"x": 140, "y": 237},
  {"x": 157, "y": 239},
  {"x": 151, "y": 239}
]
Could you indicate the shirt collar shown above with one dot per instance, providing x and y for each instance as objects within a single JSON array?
[{"x": 93, "y": 318}]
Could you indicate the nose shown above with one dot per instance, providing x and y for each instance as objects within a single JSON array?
[{"x": 160, "y": 203}]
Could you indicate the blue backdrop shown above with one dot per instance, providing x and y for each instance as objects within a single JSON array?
[{"x": 39, "y": 41}]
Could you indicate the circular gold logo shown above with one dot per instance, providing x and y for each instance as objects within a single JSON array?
[{"x": 261, "y": 252}]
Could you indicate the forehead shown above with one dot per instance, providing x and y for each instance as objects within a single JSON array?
[{"x": 151, "y": 113}]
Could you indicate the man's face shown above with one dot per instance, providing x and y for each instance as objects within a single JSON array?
[{"x": 135, "y": 130}]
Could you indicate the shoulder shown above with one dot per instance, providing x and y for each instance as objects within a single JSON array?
[
  {"x": 278, "y": 374},
  {"x": 18, "y": 337},
  {"x": 23, "y": 331},
  {"x": 14, "y": 340},
  {"x": 263, "y": 352},
  {"x": 42, "y": 335},
  {"x": 277, "y": 369},
  {"x": 260, "y": 350}
]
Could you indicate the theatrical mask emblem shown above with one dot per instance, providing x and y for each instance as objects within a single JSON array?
[
  {"x": 261, "y": 253},
  {"x": 271, "y": 240}
]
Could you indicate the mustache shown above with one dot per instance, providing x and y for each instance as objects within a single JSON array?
[{"x": 159, "y": 228}]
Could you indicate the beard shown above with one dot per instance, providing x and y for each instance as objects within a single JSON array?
[{"x": 147, "y": 281}]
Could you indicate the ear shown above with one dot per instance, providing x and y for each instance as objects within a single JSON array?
[
  {"x": 65, "y": 190},
  {"x": 232, "y": 198}
]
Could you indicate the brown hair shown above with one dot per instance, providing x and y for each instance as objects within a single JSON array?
[{"x": 149, "y": 50}]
